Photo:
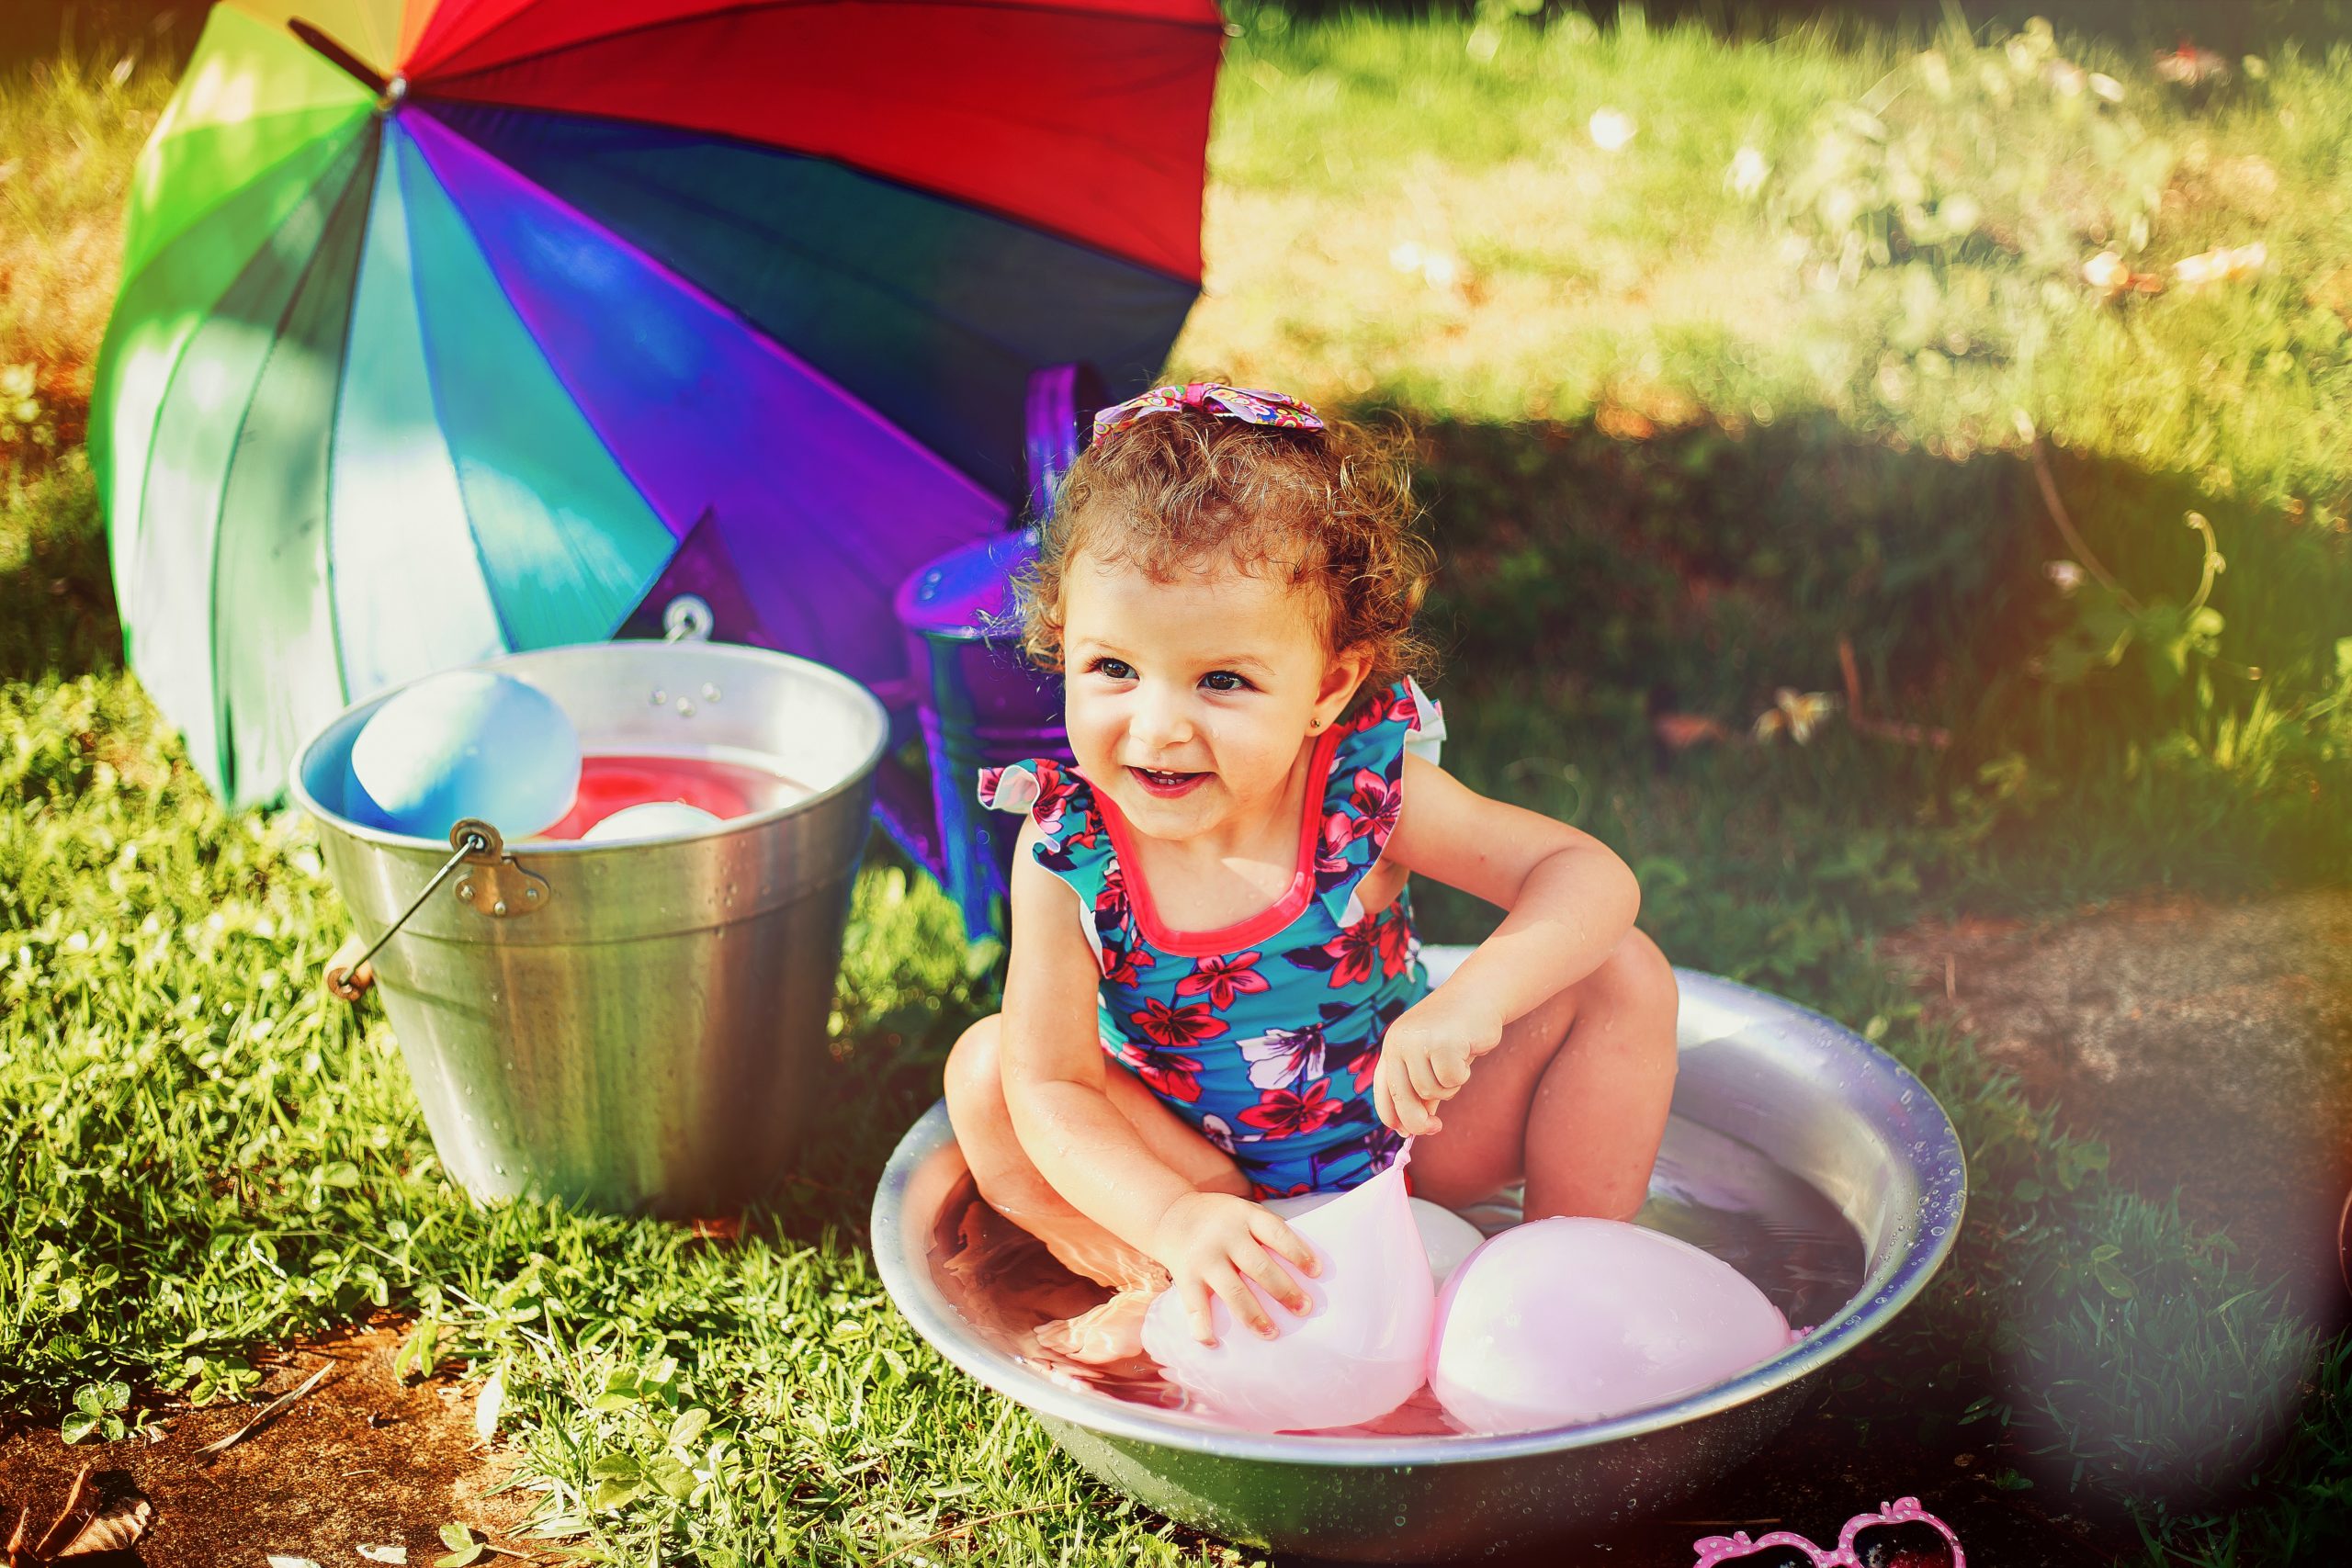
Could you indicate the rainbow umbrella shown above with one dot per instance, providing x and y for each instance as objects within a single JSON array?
[{"x": 448, "y": 327}]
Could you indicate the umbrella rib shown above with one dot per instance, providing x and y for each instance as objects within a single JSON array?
[
  {"x": 159, "y": 256},
  {"x": 371, "y": 168},
  {"x": 171, "y": 381},
  {"x": 226, "y": 739},
  {"x": 333, "y": 50},
  {"x": 433, "y": 390},
  {"x": 262, "y": 126},
  {"x": 743, "y": 7}
]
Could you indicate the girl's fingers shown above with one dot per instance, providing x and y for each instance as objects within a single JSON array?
[
  {"x": 1412, "y": 1113},
  {"x": 1276, "y": 1281},
  {"x": 1242, "y": 1301},
  {"x": 1419, "y": 1073},
  {"x": 1196, "y": 1311},
  {"x": 1285, "y": 1241},
  {"x": 1451, "y": 1070},
  {"x": 1383, "y": 1104}
]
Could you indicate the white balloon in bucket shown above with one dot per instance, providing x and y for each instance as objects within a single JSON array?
[
  {"x": 1565, "y": 1320},
  {"x": 651, "y": 819},
  {"x": 1446, "y": 1236},
  {"x": 1357, "y": 1355},
  {"x": 467, "y": 744}
]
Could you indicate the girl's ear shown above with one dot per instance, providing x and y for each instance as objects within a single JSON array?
[{"x": 1341, "y": 676}]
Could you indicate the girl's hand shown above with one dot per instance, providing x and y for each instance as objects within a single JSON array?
[
  {"x": 1212, "y": 1242},
  {"x": 1426, "y": 1058}
]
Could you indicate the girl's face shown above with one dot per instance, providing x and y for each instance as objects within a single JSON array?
[{"x": 1190, "y": 701}]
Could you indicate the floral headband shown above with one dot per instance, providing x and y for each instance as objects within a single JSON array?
[{"x": 1211, "y": 397}]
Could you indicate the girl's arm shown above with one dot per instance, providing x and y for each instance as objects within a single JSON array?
[
  {"x": 1082, "y": 1144},
  {"x": 1570, "y": 901}
]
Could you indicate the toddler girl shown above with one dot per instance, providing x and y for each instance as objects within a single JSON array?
[{"x": 1215, "y": 993}]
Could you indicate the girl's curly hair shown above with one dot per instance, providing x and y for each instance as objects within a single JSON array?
[{"x": 1331, "y": 511}]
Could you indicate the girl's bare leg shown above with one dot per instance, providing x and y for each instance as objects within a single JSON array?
[
  {"x": 1017, "y": 1190},
  {"x": 1574, "y": 1100}
]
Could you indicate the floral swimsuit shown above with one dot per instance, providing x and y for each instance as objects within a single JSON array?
[{"x": 1263, "y": 1034}]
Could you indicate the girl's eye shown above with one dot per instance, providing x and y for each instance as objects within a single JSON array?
[
  {"x": 1216, "y": 680},
  {"x": 1116, "y": 668}
]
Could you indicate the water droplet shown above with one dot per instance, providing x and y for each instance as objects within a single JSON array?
[
  {"x": 661, "y": 697},
  {"x": 686, "y": 707}
]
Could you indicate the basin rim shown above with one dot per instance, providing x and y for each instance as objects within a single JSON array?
[{"x": 1881, "y": 1295}]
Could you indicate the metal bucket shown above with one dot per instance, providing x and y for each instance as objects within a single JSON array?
[
  {"x": 634, "y": 1025},
  {"x": 1814, "y": 1100}
]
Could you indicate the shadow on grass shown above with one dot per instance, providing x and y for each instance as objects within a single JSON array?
[
  {"x": 57, "y": 609},
  {"x": 1592, "y": 585}
]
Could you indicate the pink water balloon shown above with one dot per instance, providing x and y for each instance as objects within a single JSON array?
[
  {"x": 651, "y": 819},
  {"x": 1446, "y": 1236},
  {"x": 1356, "y": 1355},
  {"x": 1567, "y": 1320}
]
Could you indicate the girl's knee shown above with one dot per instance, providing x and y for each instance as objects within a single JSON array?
[
  {"x": 1635, "y": 990},
  {"x": 1641, "y": 971},
  {"x": 974, "y": 1079}
]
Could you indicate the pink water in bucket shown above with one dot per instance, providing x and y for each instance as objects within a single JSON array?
[{"x": 609, "y": 785}]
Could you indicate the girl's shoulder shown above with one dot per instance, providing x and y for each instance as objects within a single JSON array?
[
  {"x": 1363, "y": 789},
  {"x": 1057, "y": 797},
  {"x": 1399, "y": 720}
]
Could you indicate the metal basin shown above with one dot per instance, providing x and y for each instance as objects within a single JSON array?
[
  {"x": 1780, "y": 1114},
  {"x": 636, "y": 1027}
]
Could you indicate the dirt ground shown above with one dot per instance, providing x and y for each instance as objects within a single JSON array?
[
  {"x": 2209, "y": 1045},
  {"x": 363, "y": 1460}
]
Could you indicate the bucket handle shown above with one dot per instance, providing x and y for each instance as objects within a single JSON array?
[{"x": 470, "y": 841}]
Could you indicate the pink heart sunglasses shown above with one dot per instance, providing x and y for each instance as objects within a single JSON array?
[{"x": 1716, "y": 1548}]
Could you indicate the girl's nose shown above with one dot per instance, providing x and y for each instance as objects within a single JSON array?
[{"x": 1163, "y": 718}]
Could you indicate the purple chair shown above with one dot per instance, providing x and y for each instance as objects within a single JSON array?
[{"x": 978, "y": 701}]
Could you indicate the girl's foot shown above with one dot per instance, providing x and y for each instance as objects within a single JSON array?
[{"x": 1111, "y": 1332}]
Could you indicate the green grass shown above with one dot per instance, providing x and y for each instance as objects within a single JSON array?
[
  {"x": 1666, "y": 471},
  {"x": 60, "y": 214}
]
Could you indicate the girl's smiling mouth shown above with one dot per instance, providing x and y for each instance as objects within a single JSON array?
[{"x": 1166, "y": 785}]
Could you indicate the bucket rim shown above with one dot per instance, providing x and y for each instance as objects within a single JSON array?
[{"x": 740, "y": 653}]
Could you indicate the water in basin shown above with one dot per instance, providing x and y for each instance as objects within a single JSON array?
[{"x": 1707, "y": 1189}]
